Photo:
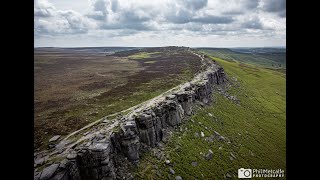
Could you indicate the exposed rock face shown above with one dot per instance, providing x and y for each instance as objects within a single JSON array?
[{"x": 146, "y": 128}]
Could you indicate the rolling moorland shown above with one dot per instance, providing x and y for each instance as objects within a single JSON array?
[
  {"x": 253, "y": 121},
  {"x": 76, "y": 86}
]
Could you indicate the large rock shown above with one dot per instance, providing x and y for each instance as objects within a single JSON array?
[
  {"x": 49, "y": 171},
  {"x": 172, "y": 171},
  {"x": 209, "y": 155},
  {"x": 54, "y": 138}
]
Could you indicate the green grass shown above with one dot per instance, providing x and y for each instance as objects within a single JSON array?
[
  {"x": 271, "y": 60},
  {"x": 256, "y": 129},
  {"x": 142, "y": 55}
]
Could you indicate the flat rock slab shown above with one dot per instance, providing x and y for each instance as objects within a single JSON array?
[
  {"x": 54, "y": 138},
  {"x": 49, "y": 171}
]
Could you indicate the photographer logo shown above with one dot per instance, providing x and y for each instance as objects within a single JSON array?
[
  {"x": 244, "y": 173},
  {"x": 264, "y": 173}
]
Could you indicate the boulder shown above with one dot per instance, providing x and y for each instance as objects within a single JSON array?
[
  {"x": 209, "y": 155},
  {"x": 54, "y": 138},
  {"x": 172, "y": 171},
  {"x": 194, "y": 164},
  {"x": 49, "y": 171},
  {"x": 202, "y": 134}
]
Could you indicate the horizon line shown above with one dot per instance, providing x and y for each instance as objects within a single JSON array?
[{"x": 159, "y": 46}]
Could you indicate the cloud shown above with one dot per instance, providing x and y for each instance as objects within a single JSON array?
[
  {"x": 252, "y": 23},
  {"x": 210, "y": 19},
  {"x": 274, "y": 6},
  {"x": 183, "y": 18},
  {"x": 194, "y": 4},
  {"x": 42, "y": 8},
  {"x": 50, "y": 21}
]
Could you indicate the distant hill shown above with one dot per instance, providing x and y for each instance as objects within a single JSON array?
[{"x": 266, "y": 57}]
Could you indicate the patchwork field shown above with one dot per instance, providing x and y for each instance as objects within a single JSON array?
[
  {"x": 76, "y": 86},
  {"x": 254, "y": 129}
]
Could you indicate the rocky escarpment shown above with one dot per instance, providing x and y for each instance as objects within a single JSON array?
[{"x": 135, "y": 133}]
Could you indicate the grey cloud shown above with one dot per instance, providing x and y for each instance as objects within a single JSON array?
[
  {"x": 127, "y": 26},
  {"x": 233, "y": 12},
  {"x": 100, "y": 5},
  {"x": 275, "y": 6},
  {"x": 42, "y": 12},
  {"x": 97, "y": 15},
  {"x": 253, "y": 23},
  {"x": 194, "y": 4},
  {"x": 114, "y": 5},
  {"x": 251, "y": 4},
  {"x": 100, "y": 9},
  {"x": 182, "y": 16},
  {"x": 209, "y": 19},
  {"x": 129, "y": 20}
]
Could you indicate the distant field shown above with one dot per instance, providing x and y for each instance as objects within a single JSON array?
[
  {"x": 267, "y": 57},
  {"x": 76, "y": 86},
  {"x": 256, "y": 128}
]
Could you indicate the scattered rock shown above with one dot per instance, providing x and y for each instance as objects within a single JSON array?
[
  {"x": 54, "y": 138},
  {"x": 49, "y": 171},
  {"x": 167, "y": 161},
  {"x": 51, "y": 146},
  {"x": 210, "y": 114},
  {"x": 72, "y": 156},
  {"x": 194, "y": 164},
  {"x": 40, "y": 161},
  {"x": 228, "y": 175},
  {"x": 202, "y": 134},
  {"x": 172, "y": 171},
  {"x": 232, "y": 155},
  {"x": 218, "y": 136},
  {"x": 178, "y": 178},
  {"x": 196, "y": 134},
  {"x": 209, "y": 155},
  {"x": 251, "y": 153},
  {"x": 209, "y": 139}
]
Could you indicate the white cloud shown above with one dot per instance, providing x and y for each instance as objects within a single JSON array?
[{"x": 167, "y": 21}]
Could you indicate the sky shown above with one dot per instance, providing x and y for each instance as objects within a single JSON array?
[{"x": 192, "y": 23}]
